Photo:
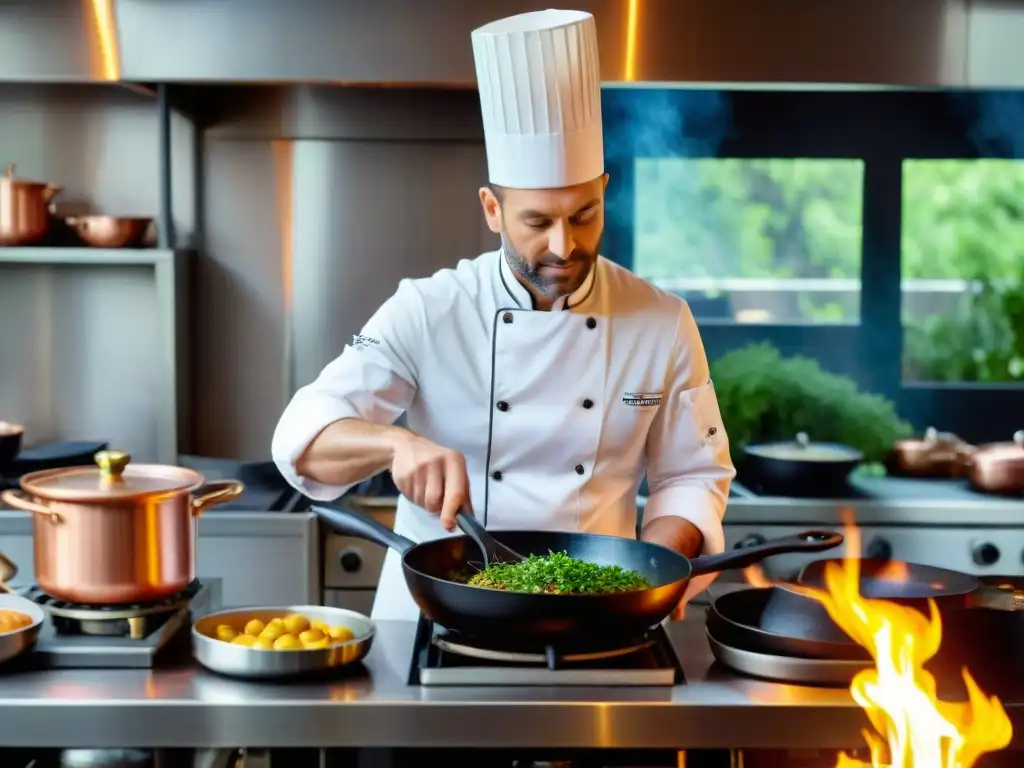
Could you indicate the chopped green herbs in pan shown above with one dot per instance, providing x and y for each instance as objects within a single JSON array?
[{"x": 557, "y": 573}]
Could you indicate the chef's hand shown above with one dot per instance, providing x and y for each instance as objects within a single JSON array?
[{"x": 432, "y": 477}]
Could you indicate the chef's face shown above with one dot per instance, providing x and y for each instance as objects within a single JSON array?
[{"x": 551, "y": 236}]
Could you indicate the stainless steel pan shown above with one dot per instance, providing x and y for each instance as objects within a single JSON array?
[
  {"x": 20, "y": 640},
  {"x": 242, "y": 661}
]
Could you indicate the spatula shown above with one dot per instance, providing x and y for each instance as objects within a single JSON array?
[{"x": 494, "y": 551}]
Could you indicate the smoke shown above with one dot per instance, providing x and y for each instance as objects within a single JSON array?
[
  {"x": 656, "y": 122},
  {"x": 995, "y": 122}
]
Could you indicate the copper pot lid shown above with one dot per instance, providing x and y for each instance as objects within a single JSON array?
[{"x": 112, "y": 478}]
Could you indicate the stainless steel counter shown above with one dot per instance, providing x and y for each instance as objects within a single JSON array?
[{"x": 190, "y": 707}]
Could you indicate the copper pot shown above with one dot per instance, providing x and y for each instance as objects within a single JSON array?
[
  {"x": 24, "y": 209},
  {"x": 999, "y": 467},
  {"x": 937, "y": 454},
  {"x": 115, "y": 533},
  {"x": 101, "y": 231}
]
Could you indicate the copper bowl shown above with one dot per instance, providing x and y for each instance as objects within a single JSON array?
[{"x": 101, "y": 231}]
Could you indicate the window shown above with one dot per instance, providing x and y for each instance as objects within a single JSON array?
[
  {"x": 752, "y": 241},
  {"x": 963, "y": 270}
]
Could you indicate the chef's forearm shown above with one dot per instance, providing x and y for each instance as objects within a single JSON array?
[
  {"x": 676, "y": 533},
  {"x": 349, "y": 451}
]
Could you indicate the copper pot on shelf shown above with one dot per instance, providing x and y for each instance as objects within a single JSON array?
[
  {"x": 25, "y": 208},
  {"x": 116, "y": 533},
  {"x": 999, "y": 467},
  {"x": 102, "y": 231},
  {"x": 935, "y": 455}
]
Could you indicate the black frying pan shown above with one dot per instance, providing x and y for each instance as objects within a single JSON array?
[
  {"x": 432, "y": 570},
  {"x": 777, "y": 622},
  {"x": 783, "y": 622},
  {"x": 803, "y": 620}
]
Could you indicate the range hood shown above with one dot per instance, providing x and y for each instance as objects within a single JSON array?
[{"x": 425, "y": 43}]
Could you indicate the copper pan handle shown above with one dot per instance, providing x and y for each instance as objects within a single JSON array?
[
  {"x": 19, "y": 500},
  {"x": 217, "y": 492}
]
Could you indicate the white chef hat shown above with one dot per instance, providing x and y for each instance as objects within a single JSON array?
[{"x": 540, "y": 94}]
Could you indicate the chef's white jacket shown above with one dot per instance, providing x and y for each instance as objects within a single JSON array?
[{"x": 558, "y": 414}]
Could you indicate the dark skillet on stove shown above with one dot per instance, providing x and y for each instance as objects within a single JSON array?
[
  {"x": 432, "y": 570},
  {"x": 783, "y": 622}
]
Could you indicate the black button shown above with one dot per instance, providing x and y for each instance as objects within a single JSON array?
[
  {"x": 712, "y": 432},
  {"x": 502, "y": 406},
  {"x": 591, "y": 323},
  {"x": 496, "y": 474},
  {"x": 588, "y": 403},
  {"x": 579, "y": 469},
  {"x": 507, "y": 317}
]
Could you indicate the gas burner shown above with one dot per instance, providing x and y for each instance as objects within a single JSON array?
[
  {"x": 140, "y": 636},
  {"x": 441, "y": 657},
  {"x": 549, "y": 657},
  {"x": 134, "y": 620}
]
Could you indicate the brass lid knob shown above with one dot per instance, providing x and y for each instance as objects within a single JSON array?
[{"x": 112, "y": 464}]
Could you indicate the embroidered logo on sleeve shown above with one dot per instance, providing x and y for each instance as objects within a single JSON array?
[
  {"x": 642, "y": 399},
  {"x": 359, "y": 341}
]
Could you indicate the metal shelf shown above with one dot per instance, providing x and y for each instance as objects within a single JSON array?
[
  {"x": 170, "y": 275},
  {"x": 89, "y": 256}
]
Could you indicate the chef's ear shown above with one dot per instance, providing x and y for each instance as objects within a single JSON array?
[
  {"x": 492, "y": 209},
  {"x": 605, "y": 179}
]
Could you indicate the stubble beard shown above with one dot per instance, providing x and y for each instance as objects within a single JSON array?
[{"x": 549, "y": 287}]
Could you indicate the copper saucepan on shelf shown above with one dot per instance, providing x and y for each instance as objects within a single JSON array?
[
  {"x": 999, "y": 467},
  {"x": 102, "y": 231},
  {"x": 24, "y": 209},
  {"x": 116, "y": 533},
  {"x": 936, "y": 454}
]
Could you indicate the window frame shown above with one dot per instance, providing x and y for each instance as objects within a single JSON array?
[{"x": 880, "y": 127}]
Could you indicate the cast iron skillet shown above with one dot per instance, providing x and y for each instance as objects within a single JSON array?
[
  {"x": 785, "y": 623},
  {"x": 432, "y": 570}
]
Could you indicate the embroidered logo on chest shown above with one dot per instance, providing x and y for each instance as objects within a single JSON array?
[{"x": 642, "y": 399}]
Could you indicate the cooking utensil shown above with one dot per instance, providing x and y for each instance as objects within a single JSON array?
[
  {"x": 999, "y": 467},
  {"x": 102, "y": 231},
  {"x": 800, "y": 467},
  {"x": 24, "y": 209},
  {"x": 913, "y": 584},
  {"x": 114, "y": 533},
  {"x": 936, "y": 454},
  {"x": 493, "y": 551},
  {"x": 242, "y": 661},
  {"x": 776, "y": 622},
  {"x": 20, "y": 640},
  {"x": 806, "y": 628},
  {"x": 10, "y": 443},
  {"x": 785, "y": 669},
  {"x": 433, "y": 570}
]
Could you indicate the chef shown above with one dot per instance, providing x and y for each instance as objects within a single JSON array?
[{"x": 540, "y": 382}]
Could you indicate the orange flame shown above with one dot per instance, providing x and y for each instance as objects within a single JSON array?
[{"x": 911, "y": 727}]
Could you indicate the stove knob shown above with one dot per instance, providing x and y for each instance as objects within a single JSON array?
[
  {"x": 350, "y": 559},
  {"x": 750, "y": 541},
  {"x": 985, "y": 554},
  {"x": 878, "y": 549}
]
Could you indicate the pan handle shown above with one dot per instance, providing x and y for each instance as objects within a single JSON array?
[
  {"x": 808, "y": 541},
  {"x": 349, "y": 523}
]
